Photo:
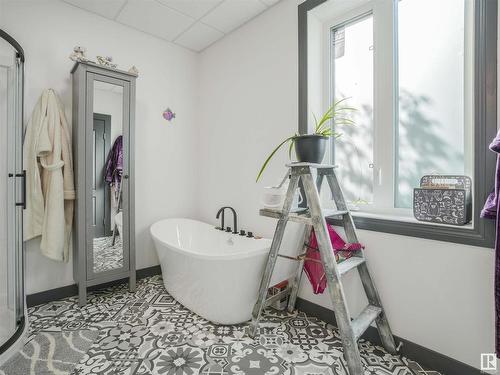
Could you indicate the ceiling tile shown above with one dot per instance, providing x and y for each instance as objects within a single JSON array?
[
  {"x": 233, "y": 13},
  {"x": 107, "y": 8},
  {"x": 193, "y": 8},
  {"x": 199, "y": 37},
  {"x": 154, "y": 18}
]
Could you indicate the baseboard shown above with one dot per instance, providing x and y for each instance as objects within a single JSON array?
[
  {"x": 149, "y": 271},
  {"x": 426, "y": 357},
  {"x": 72, "y": 290}
]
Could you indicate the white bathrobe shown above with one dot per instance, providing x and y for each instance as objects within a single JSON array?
[{"x": 50, "y": 191}]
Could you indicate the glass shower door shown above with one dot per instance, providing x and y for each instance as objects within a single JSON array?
[{"x": 11, "y": 193}]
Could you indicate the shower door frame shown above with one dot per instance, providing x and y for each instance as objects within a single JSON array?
[{"x": 17, "y": 179}]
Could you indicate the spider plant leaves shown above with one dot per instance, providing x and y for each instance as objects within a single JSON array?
[
  {"x": 271, "y": 156},
  {"x": 320, "y": 125},
  {"x": 347, "y": 109},
  {"x": 290, "y": 148},
  {"x": 326, "y": 132},
  {"x": 336, "y": 114}
]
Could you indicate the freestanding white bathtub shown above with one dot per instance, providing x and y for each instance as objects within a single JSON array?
[{"x": 213, "y": 273}]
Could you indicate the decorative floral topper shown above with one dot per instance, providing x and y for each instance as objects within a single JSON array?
[
  {"x": 133, "y": 69},
  {"x": 78, "y": 54},
  {"x": 106, "y": 61},
  {"x": 168, "y": 114}
]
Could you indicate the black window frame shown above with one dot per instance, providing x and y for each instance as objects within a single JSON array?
[{"x": 485, "y": 128}]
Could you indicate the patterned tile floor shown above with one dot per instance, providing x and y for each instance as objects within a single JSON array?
[{"x": 148, "y": 332}]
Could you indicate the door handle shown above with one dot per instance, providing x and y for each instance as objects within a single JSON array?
[
  {"x": 23, "y": 189},
  {"x": 378, "y": 171}
]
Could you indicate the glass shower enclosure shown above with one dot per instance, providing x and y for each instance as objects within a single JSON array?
[{"x": 12, "y": 194}]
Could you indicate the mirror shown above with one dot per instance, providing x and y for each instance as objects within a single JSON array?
[{"x": 107, "y": 214}]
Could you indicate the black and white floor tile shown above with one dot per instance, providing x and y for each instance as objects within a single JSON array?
[
  {"x": 148, "y": 332},
  {"x": 51, "y": 353}
]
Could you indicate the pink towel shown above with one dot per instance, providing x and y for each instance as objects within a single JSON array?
[{"x": 314, "y": 268}]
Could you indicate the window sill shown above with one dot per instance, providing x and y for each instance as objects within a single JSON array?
[
  {"x": 406, "y": 219},
  {"x": 481, "y": 235}
]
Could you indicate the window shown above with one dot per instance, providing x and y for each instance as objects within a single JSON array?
[
  {"x": 352, "y": 77},
  {"x": 412, "y": 89},
  {"x": 427, "y": 69},
  {"x": 434, "y": 90}
]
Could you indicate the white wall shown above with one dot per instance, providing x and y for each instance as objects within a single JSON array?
[
  {"x": 1, "y": 11},
  {"x": 437, "y": 294},
  {"x": 48, "y": 30}
]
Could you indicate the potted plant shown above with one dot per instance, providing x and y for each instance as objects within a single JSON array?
[{"x": 310, "y": 148}]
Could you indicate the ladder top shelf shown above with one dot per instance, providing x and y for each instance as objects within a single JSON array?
[
  {"x": 301, "y": 215},
  {"x": 310, "y": 165}
]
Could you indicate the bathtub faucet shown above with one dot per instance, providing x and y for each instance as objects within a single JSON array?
[{"x": 221, "y": 211}]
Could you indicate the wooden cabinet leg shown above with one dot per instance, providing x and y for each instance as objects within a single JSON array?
[
  {"x": 82, "y": 294},
  {"x": 132, "y": 282}
]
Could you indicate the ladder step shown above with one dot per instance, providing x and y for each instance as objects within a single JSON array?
[
  {"x": 349, "y": 264},
  {"x": 300, "y": 215},
  {"x": 334, "y": 214},
  {"x": 311, "y": 165},
  {"x": 363, "y": 321}
]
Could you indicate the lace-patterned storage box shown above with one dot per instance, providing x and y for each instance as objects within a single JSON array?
[{"x": 444, "y": 199}]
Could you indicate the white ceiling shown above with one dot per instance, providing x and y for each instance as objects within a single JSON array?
[{"x": 194, "y": 24}]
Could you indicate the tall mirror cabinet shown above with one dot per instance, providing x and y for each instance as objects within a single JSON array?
[{"x": 103, "y": 146}]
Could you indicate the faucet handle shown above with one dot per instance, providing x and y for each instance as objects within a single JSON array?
[
  {"x": 228, "y": 229},
  {"x": 242, "y": 232}
]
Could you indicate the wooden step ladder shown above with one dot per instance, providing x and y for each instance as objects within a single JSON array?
[{"x": 314, "y": 217}]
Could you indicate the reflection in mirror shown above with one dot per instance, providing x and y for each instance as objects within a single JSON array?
[{"x": 107, "y": 218}]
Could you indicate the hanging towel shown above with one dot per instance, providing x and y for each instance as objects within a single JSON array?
[
  {"x": 50, "y": 191},
  {"x": 313, "y": 266},
  {"x": 114, "y": 165},
  {"x": 491, "y": 211}
]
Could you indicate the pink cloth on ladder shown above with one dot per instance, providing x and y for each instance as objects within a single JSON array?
[{"x": 314, "y": 269}]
